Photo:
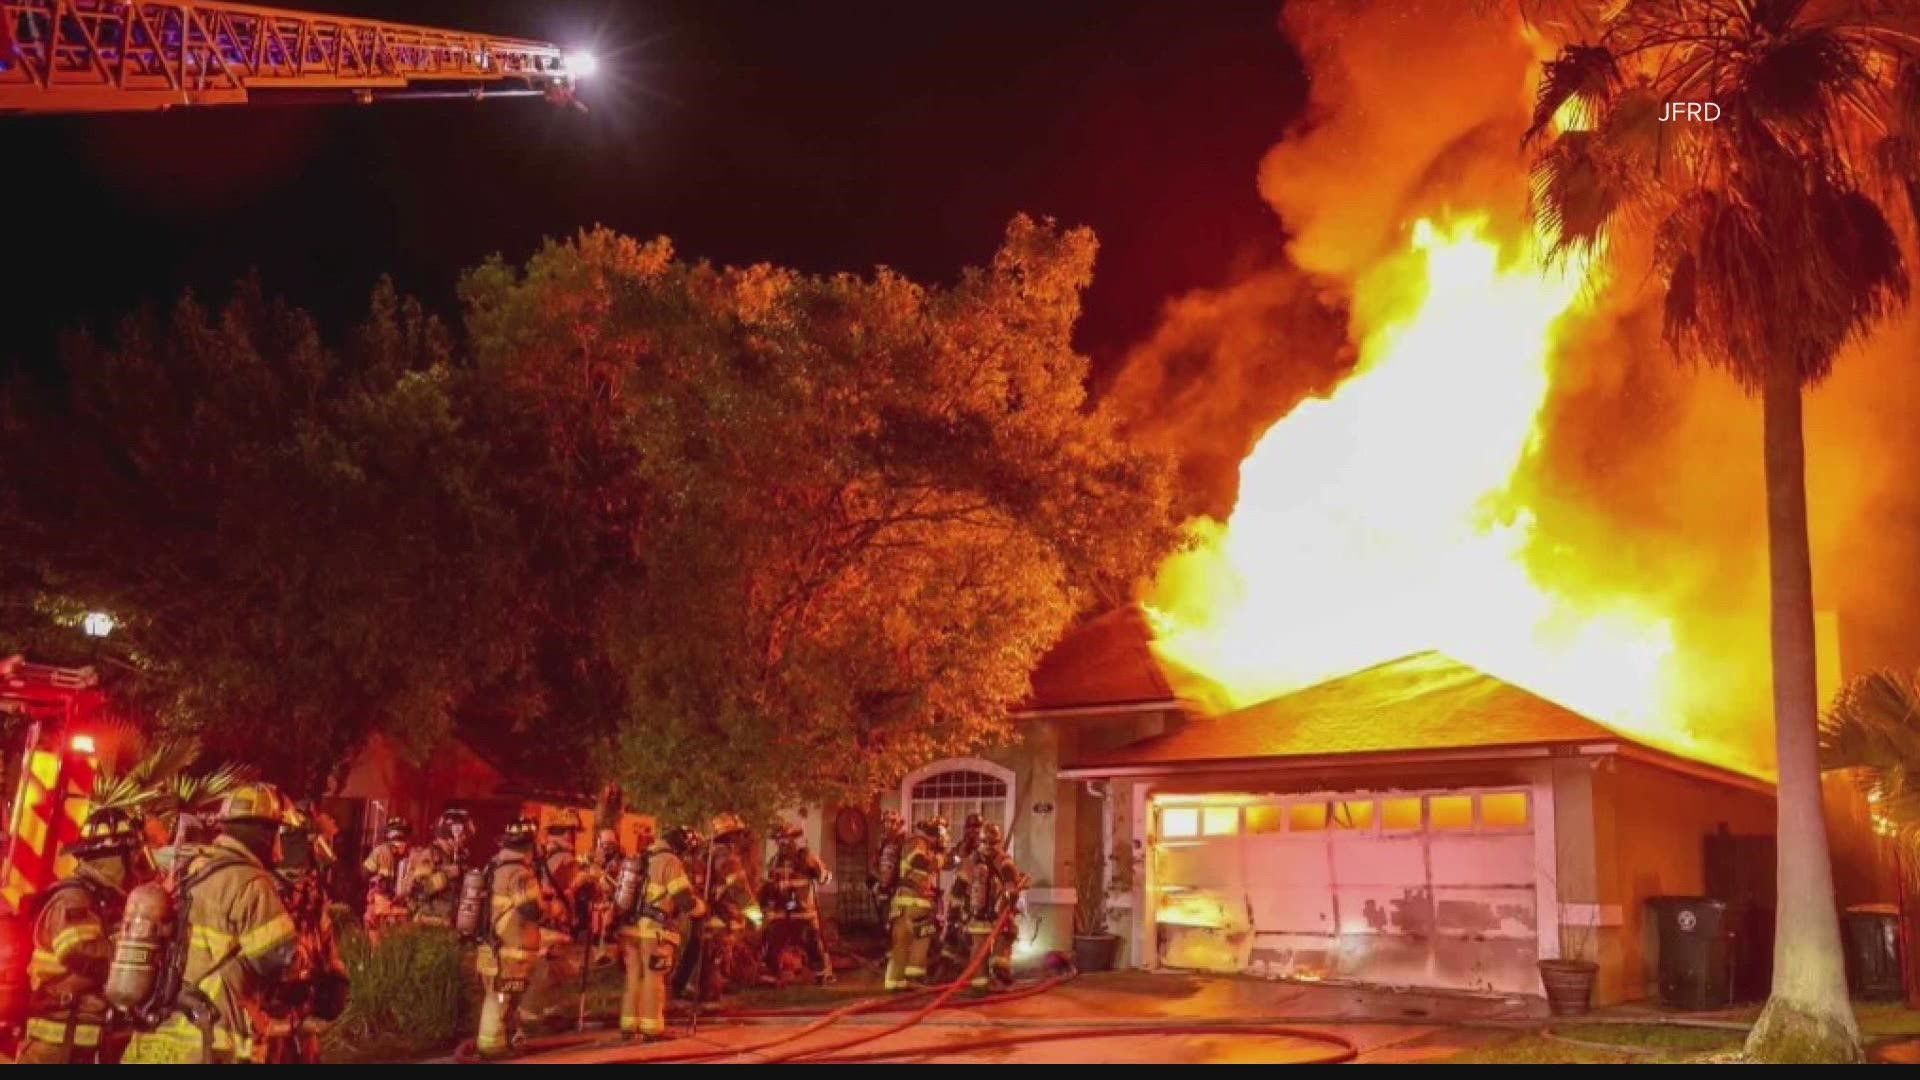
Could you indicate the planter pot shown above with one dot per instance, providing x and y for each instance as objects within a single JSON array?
[
  {"x": 1569, "y": 985},
  {"x": 1095, "y": 952}
]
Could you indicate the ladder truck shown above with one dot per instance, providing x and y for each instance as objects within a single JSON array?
[{"x": 77, "y": 56}]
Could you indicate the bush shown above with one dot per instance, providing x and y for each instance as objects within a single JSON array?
[{"x": 410, "y": 994}]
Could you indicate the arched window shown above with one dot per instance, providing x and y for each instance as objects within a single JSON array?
[{"x": 953, "y": 789}]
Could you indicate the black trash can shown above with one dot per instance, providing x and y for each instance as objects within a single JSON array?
[
  {"x": 1873, "y": 951},
  {"x": 1693, "y": 951}
]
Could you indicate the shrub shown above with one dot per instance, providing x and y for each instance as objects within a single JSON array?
[{"x": 410, "y": 993}]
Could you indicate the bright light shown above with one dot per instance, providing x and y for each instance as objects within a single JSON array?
[
  {"x": 97, "y": 624},
  {"x": 581, "y": 65},
  {"x": 82, "y": 744}
]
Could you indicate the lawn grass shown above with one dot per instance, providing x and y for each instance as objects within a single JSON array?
[{"x": 1660, "y": 1044}]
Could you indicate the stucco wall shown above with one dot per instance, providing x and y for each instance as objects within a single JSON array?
[
  {"x": 1650, "y": 828},
  {"x": 1056, "y": 825}
]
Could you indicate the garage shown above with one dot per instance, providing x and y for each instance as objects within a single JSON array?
[
  {"x": 1419, "y": 823},
  {"x": 1403, "y": 888}
]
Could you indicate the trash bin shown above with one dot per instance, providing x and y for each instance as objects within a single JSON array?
[
  {"x": 1693, "y": 951},
  {"x": 1873, "y": 951}
]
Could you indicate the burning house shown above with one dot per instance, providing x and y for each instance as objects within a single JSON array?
[{"x": 1416, "y": 823}]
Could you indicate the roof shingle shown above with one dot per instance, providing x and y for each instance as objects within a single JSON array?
[{"x": 1423, "y": 702}]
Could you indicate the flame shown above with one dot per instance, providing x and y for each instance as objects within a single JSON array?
[{"x": 1379, "y": 521}]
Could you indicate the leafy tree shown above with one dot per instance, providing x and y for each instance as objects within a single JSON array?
[
  {"x": 737, "y": 537},
  {"x": 286, "y": 534},
  {"x": 822, "y": 525},
  {"x": 1773, "y": 234}
]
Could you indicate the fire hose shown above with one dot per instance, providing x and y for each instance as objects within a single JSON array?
[
  {"x": 769, "y": 1052},
  {"x": 875, "y": 1004}
]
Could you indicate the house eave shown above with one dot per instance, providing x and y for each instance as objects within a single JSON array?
[
  {"x": 1120, "y": 708},
  {"x": 1295, "y": 763}
]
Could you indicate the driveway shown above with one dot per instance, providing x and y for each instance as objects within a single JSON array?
[{"x": 1383, "y": 1025}]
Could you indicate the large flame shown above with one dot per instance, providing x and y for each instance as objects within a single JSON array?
[{"x": 1378, "y": 521}]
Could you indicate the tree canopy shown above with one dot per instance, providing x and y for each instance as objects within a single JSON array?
[{"x": 734, "y": 537}]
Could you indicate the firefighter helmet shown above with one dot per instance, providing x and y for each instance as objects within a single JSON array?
[
  {"x": 934, "y": 829},
  {"x": 304, "y": 845},
  {"x": 454, "y": 824},
  {"x": 782, "y": 829},
  {"x": 567, "y": 821},
  {"x": 398, "y": 828},
  {"x": 974, "y": 823},
  {"x": 683, "y": 839},
  {"x": 725, "y": 824},
  {"x": 108, "y": 832},
  {"x": 520, "y": 830},
  {"x": 254, "y": 802},
  {"x": 992, "y": 837}
]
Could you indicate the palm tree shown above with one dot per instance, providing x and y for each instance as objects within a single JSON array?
[
  {"x": 159, "y": 786},
  {"x": 1773, "y": 234},
  {"x": 1874, "y": 727}
]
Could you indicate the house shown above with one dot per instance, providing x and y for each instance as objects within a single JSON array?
[
  {"x": 385, "y": 781},
  {"x": 1418, "y": 823},
  {"x": 1098, "y": 689}
]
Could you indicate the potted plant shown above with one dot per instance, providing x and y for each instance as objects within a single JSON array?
[
  {"x": 1095, "y": 945},
  {"x": 1569, "y": 978}
]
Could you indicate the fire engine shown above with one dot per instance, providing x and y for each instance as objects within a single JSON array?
[
  {"x": 66, "y": 56},
  {"x": 56, "y": 712}
]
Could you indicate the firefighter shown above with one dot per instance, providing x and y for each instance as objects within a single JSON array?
[
  {"x": 654, "y": 895},
  {"x": 313, "y": 993},
  {"x": 993, "y": 884},
  {"x": 885, "y": 873},
  {"x": 559, "y": 858},
  {"x": 240, "y": 943},
  {"x": 910, "y": 916},
  {"x": 434, "y": 871},
  {"x": 687, "y": 843},
  {"x": 970, "y": 835},
  {"x": 67, "y": 1021},
  {"x": 732, "y": 906},
  {"x": 954, "y": 945},
  {"x": 790, "y": 900},
  {"x": 382, "y": 867},
  {"x": 593, "y": 891},
  {"x": 509, "y": 937}
]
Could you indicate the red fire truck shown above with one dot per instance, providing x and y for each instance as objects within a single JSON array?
[{"x": 52, "y": 714}]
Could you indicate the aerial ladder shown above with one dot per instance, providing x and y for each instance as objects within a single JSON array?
[{"x": 70, "y": 56}]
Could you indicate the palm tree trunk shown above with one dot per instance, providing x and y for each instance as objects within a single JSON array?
[{"x": 1808, "y": 1017}]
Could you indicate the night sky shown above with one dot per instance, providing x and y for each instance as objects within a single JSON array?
[{"x": 826, "y": 136}]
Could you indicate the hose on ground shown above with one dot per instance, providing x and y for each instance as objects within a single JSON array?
[{"x": 763, "y": 1051}]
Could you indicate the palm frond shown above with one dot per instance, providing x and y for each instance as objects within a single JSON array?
[
  {"x": 1794, "y": 79},
  {"x": 1584, "y": 76},
  {"x": 193, "y": 792},
  {"x": 1874, "y": 727},
  {"x": 142, "y": 784},
  {"x": 1574, "y": 194}
]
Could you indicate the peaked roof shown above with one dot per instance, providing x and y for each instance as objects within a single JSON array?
[
  {"x": 1106, "y": 661},
  {"x": 1424, "y": 702}
]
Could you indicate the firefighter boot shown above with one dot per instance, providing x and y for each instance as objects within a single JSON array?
[
  {"x": 499, "y": 1021},
  {"x": 900, "y": 950}
]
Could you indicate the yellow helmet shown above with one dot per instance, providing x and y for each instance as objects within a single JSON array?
[
  {"x": 725, "y": 823},
  {"x": 254, "y": 802}
]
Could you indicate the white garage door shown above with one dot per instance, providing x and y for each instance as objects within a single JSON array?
[{"x": 1407, "y": 889}]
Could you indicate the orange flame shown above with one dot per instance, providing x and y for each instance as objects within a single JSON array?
[{"x": 1379, "y": 521}]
